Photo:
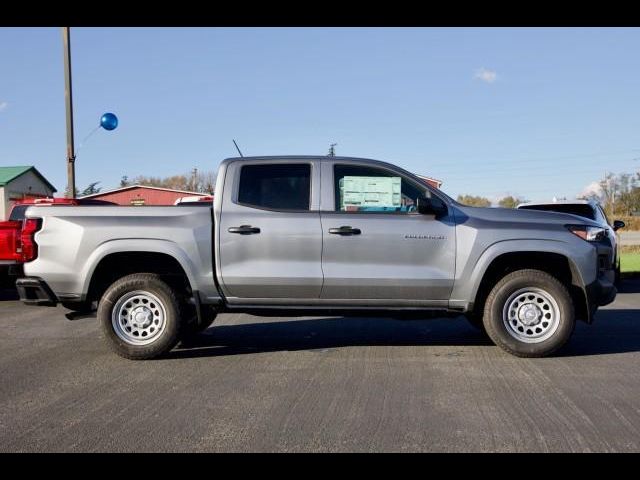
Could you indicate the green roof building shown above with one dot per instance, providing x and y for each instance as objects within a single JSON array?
[{"x": 19, "y": 183}]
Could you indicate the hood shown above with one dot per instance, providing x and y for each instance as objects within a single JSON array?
[{"x": 523, "y": 216}]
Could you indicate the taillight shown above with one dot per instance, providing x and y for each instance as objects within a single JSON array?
[{"x": 26, "y": 246}]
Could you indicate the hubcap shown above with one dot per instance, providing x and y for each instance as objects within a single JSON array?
[
  {"x": 531, "y": 315},
  {"x": 138, "y": 317}
]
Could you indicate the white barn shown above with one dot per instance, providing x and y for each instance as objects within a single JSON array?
[{"x": 20, "y": 183}]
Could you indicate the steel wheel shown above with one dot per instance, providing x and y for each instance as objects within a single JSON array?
[
  {"x": 531, "y": 315},
  {"x": 138, "y": 317}
]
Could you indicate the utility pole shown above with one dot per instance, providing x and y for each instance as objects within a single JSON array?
[
  {"x": 71, "y": 157},
  {"x": 194, "y": 179},
  {"x": 332, "y": 150}
]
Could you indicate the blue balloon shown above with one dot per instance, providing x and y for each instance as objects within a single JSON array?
[{"x": 109, "y": 121}]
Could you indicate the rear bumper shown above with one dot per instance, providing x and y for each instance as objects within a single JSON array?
[
  {"x": 9, "y": 272},
  {"x": 35, "y": 291}
]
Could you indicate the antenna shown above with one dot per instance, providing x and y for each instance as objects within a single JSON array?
[
  {"x": 238, "y": 148},
  {"x": 332, "y": 150}
]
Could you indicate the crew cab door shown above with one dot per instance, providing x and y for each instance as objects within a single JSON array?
[
  {"x": 376, "y": 246},
  {"x": 270, "y": 240}
]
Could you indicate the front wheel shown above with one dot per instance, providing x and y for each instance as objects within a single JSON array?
[
  {"x": 529, "y": 313},
  {"x": 140, "y": 316}
]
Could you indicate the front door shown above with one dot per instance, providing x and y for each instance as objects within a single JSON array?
[
  {"x": 376, "y": 246},
  {"x": 270, "y": 238}
]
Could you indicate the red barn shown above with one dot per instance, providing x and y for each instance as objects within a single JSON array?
[
  {"x": 434, "y": 182},
  {"x": 143, "y": 195}
]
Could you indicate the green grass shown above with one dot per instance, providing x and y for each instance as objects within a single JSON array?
[{"x": 630, "y": 262}]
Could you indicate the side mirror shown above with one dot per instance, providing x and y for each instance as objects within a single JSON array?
[
  {"x": 430, "y": 206},
  {"x": 618, "y": 224}
]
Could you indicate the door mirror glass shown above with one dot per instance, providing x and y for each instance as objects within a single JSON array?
[
  {"x": 424, "y": 206},
  {"x": 618, "y": 224},
  {"x": 430, "y": 206}
]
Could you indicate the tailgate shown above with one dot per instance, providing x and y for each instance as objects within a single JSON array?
[{"x": 9, "y": 233}]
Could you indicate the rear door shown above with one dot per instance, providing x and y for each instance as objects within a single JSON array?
[{"x": 270, "y": 237}]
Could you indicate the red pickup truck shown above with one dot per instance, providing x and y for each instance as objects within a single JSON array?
[{"x": 16, "y": 246}]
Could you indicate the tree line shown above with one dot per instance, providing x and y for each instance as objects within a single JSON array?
[
  {"x": 194, "y": 181},
  {"x": 619, "y": 195},
  {"x": 477, "y": 201}
]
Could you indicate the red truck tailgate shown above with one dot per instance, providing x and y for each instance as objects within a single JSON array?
[{"x": 9, "y": 234}]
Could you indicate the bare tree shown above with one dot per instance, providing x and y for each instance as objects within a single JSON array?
[
  {"x": 195, "y": 181},
  {"x": 206, "y": 181}
]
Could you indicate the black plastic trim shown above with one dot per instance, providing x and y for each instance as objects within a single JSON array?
[{"x": 35, "y": 291}]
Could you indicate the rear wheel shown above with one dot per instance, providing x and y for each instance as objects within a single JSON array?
[
  {"x": 140, "y": 316},
  {"x": 529, "y": 313}
]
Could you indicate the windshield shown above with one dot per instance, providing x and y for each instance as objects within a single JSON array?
[{"x": 580, "y": 209}]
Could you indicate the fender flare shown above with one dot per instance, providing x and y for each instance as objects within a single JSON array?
[
  {"x": 534, "y": 245},
  {"x": 124, "y": 245}
]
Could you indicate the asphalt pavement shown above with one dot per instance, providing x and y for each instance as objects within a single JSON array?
[{"x": 319, "y": 384}]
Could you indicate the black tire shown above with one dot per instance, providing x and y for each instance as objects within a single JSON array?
[
  {"x": 167, "y": 298},
  {"x": 540, "y": 281},
  {"x": 618, "y": 278}
]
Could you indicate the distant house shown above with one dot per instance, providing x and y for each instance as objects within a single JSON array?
[
  {"x": 20, "y": 183},
  {"x": 431, "y": 181},
  {"x": 143, "y": 195}
]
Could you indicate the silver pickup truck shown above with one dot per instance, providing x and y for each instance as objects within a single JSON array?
[{"x": 306, "y": 234}]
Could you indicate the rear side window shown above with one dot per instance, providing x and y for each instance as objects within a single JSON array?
[
  {"x": 18, "y": 212},
  {"x": 604, "y": 215},
  {"x": 276, "y": 186},
  {"x": 582, "y": 210}
]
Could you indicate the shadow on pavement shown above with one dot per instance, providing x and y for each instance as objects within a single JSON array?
[
  {"x": 328, "y": 333},
  {"x": 614, "y": 331},
  {"x": 8, "y": 294},
  {"x": 630, "y": 285}
]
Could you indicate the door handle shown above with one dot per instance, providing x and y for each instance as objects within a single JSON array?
[
  {"x": 244, "y": 230},
  {"x": 345, "y": 231}
]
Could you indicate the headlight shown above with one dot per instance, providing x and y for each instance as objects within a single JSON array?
[{"x": 588, "y": 233}]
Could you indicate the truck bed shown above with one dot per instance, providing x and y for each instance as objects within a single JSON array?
[{"x": 75, "y": 240}]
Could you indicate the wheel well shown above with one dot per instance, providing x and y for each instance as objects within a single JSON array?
[
  {"x": 554, "y": 264},
  {"x": 117, "y": 265}
]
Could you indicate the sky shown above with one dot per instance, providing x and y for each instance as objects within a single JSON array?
[{"x": 532, "y": 112}]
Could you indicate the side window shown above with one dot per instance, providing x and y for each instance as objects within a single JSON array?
[
  {"x": 602, "y": 214},
  {"x": 276, "y": 186},
  {"x": 18, "y": 212},
  {"x": 370, "y": 189}
]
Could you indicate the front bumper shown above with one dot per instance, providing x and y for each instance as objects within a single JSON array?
[
  {"x": 600, "y": 292},
  {"x": 35, "y": 291}
]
